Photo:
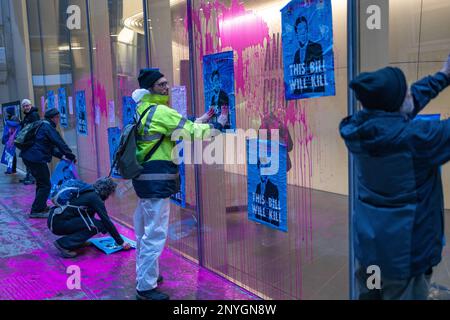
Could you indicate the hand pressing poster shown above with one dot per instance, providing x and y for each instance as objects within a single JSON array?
[
  {"x": 307, "y": 37},
  {"x": 113, "y": 142},
  {"x": 62, "y": 103},
  {"x": 80, "y": 103},
  {"x": 128, "y": 110},
  {"x": 267, "y": 184},
  {"x": 218, "y": 81}
]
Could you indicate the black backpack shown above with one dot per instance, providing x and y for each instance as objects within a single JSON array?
[
  {"x": 26, "y": 137},
  {"x": 125, "y": 160}
]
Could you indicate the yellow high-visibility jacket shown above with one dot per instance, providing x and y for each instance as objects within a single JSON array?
[{"x": 160, "y": 178}]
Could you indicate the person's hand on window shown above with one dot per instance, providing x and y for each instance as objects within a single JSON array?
[
  {"x": 223, "y": 118},
  {"x": 446, "y": 68},
  {"x": 205, "y": 117}
]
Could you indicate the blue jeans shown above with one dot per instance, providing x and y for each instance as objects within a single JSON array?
[{"x": 415, "y": 288}]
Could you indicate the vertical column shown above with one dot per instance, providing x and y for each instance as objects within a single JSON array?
[{"x": 374, "y": 34}]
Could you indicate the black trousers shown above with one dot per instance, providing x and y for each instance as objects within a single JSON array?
[
  {"x": 74, "y": 230},
  {"x": 41, "y": 173}
]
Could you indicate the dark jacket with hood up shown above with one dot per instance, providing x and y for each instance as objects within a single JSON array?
[{"x": 399, "y": 208}]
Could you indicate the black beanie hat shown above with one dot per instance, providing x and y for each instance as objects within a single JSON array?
[
  {"x": 51, "y": 113},
  {"x": 148, "y": 77},
  {"x": 384, "y": 89}
]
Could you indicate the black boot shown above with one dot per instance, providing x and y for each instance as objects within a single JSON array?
[{"x": 153, "y": 294}]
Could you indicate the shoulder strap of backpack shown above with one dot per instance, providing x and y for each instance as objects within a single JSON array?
[
  {"x": 153, "y": 150},
  {"x": 138, "y": 123}
]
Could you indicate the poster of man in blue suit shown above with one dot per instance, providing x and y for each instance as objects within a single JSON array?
[
  {"x": 307, "y": 37},
  {"x": 50, "y": 99},
  {"x": 218, "y": 81},
  {"x": 113, "y": 141},
  {"x": 82, "y": 127},
  {"x": 267, "y": 199},
  {"x": 62, "y": 104}
]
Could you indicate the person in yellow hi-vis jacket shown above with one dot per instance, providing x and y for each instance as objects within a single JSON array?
[{"x": 160, "y": 177}]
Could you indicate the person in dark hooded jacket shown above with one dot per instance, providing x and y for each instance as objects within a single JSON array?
[
  {"x": 399, "y": 206},
  {"x": 31, "y": 115},
  {"x": 48, "y": 143}
]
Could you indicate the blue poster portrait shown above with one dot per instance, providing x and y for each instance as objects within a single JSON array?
[
  {"x": 50, "y": 99},
  {"x": 9, "y": 151},
  {"x": 65, "y": 170},
  {"x": 80, "y": 102},
  {"x": 113, "y": 143},
  {"x": 108, "y": 245},
  {"x": 62, "y": 104},
  {"x": 218, "y": 81},
  {"x": 128, "y": 110},
  {"x": 267, "y": 193},
  {"x": 308, "y": 59},
  {"x": 180, "y": 197},
  {"x": 10, "y": 110}
]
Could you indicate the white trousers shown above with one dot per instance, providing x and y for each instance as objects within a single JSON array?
[{"x": 151, "y": 222}]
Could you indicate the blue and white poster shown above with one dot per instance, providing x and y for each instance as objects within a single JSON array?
[
  {"x": 62, "y": 104},
  {"x": 308, "y": 60},
  {"x": 180, "y": 197},
  {"x": 428, "y": 117},
  {"x": 65, "y": 170},
  {"x": 50, "y": 99},
  {"x": 267, "y": 193},
  {"x": 80, "y": 103},
  {"x": 10, "y": 110},
  {"x": 218, "y": 81},
  {"x": 128, "y": 110},
  {"x": 108, "y": 245},
  {"x": 9, "y": 151},
  {"x": 113, "y": 143}
]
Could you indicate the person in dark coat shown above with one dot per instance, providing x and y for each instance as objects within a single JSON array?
[
  {"x": 48, "y": 143},
  {"x": 78, "y": 226},
  {"x": 31, "y": 115},
  {"x": 399, "y": 208}
]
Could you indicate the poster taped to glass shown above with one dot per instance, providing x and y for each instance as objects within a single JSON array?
[{"x": 308, "y": 59}]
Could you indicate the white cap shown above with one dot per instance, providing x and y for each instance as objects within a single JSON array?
[{"x": 25, "y": 102}]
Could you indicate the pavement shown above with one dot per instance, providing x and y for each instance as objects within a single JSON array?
[{"x": 32, "y": 269}]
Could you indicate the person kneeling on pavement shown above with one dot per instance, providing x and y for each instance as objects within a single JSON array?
[
  {"x": 77, "y": 223},
  {"x": 47, "y": 143}
]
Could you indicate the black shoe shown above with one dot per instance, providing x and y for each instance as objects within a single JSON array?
[
  {"x": 153, "y": 294},
  {"x": 160, "y": 280},
  {"x": 39, "y": 215},
  {"x": 27, "y": 182},
  {"x": 64, "y": 252}
]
